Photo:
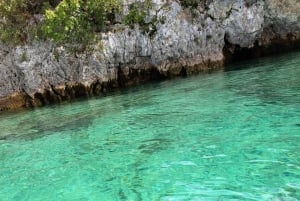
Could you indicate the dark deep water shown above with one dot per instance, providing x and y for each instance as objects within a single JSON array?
[{"x": 231, "y": 135}]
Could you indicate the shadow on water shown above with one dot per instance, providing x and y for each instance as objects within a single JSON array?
[
  {"x": 40, "y": 129},
  {"x": 34, "y": 124},
  {"x": 154, "y": 145},
  {"x": 260, "y": 62},
  {"x": 146, "y": 150},
  {"x": 270, "y": 79}
]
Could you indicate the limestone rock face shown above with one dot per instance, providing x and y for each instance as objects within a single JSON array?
[
  {"x": 180, "y": 41},
  {"x": 244, "y": 24},
  {"x": 282, "y": 20}
]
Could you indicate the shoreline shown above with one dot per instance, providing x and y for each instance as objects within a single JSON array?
[
  {"x": 73, "y": 91},
  {"x": 185, "y": 41}
]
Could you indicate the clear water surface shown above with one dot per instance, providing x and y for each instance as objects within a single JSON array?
[{"x": 223, "y": 136}]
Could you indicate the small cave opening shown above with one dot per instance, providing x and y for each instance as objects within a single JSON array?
[
  {"x": 183, "y": 72},
  {"x": 235, "y": 53}
]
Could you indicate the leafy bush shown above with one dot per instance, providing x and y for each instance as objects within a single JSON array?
[
  {"x": 190, "y": 3},
  {"x": 13, "y": 17},
  {"x": 75, "y": 21},
  {"x": 71, "y": 21},
  {"x": 136, "y": 15},
  {"x": 17, "y": 22}
]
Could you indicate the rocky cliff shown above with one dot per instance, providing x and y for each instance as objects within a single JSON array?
[{"x": 179, "y": 41}]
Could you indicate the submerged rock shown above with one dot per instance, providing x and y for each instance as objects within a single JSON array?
[{"x": 181, "y": 41}]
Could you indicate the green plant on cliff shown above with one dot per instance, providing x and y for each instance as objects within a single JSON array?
[
  {"x": 13, "y": 17},
  {"x": 76, "y": 21},
  {"x": 17, "y": 19},
  {"x": 23, "y": 57},
  {"x": 190, "y": 3},
  {"x": 138, "y": 12},
  {"x": 64, "y": 21},
  {"x": 136, "y": 15}
]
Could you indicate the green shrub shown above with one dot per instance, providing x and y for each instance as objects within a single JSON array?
[
  {"x": 136, "y": 15},
  {"x": 23, "y": 57},
  {"x": 65, "y": 21},
  {"x": 190, "y": 3},
  {"x": 17, "y": 23},
  {"x": 13, "y": 17},
  {"x": 75, "y": 21}
]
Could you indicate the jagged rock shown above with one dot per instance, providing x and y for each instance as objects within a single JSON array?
[{"x": 185, "y": 42}]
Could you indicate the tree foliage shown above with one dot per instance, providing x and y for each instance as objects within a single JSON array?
[
  {"x": 136, "y": 15},
  {"x": 71, "y": 21},
  {"x": 190, "y": 3},
  {"x": 17, "y": 19},
  {"x": 78, "y": 20},
  {"x": 13, "y": 17}
]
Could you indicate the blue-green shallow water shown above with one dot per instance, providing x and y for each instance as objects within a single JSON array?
[{"x": 223, "y": 136}]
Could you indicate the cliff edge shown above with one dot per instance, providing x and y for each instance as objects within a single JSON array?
[{"x": 178, "y": 41}]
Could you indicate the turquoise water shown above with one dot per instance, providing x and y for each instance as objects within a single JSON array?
[{"x": 223, "y": 136}]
